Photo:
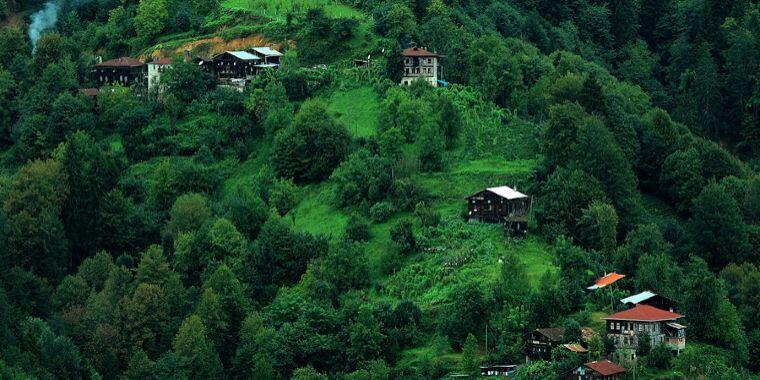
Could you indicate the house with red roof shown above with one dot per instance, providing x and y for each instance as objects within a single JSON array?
[
  {"x": 421, "y": 64},
  {"x": 627, "y": 327},
  {"x": 125, "y": 71},
  {"x": 598, "y": 370}
]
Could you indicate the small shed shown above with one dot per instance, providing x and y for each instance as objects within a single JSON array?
[
  {"x": 269, "y": 56},
  {"x": 502, "y": 205}
]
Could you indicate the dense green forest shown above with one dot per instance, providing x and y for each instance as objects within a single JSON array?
[{"x": 313, "y": 226}]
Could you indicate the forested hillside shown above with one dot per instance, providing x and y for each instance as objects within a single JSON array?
[{"x": 314, "y": 225}]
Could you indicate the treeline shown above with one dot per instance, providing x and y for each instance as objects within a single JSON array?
[{"x": 696, "y": 59}]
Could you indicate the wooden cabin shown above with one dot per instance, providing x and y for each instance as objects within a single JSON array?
[
  {"x": 123, "y": 71},
  {"x": 598, "y": 370},
  {"x": 539, "y": 343},
  {"x": 232, "y": 65},
  {"x": 502, "y": 205}
]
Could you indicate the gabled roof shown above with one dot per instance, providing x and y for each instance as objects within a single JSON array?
[
  {"x": 644, "y": 313},
  {"x": 507, "y": 192},
  {"x": 637, "y": 298},
  {"x": 266, "y": 52},
  {"x": 241, "y": 55},
  {"x": 121, "y": 62},
  {"x": 418, "y": 52},
  {"x": 162, "y": 61},
  {"x": 553, "y": 333},
  {"x": 606, "y": 367},
  {"x": 575, "y": 347},
  {"x": 608, "y": 279}
]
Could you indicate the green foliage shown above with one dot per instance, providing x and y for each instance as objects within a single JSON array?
[
  {"x": 195, "y": 351},
  {"x": 402, "y": 233},
  {"x": 470, "y": 364},
  {"x": 152, "y": 17},
  {"x": 312, "y": 147},
  {"x": 722, "y": 232}
]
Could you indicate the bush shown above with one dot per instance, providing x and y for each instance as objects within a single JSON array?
[
  {"x": 357, "y": 229},
  {"x": 381, "y": 211},
  {"x": 660, "y": 357},
  {"x": 429, "y": 216},
  {"x": 402, "y": 233}
]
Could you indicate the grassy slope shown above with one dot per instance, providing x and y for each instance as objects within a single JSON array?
[
  {"x": 357, "y": 109},
  {"x": 277, "y": 9}
]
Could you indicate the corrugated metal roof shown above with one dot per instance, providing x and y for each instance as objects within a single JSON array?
[
  {"x": 637, "y": 298},
  {"x": 676, "y": 326},
  {"x": 507, "y": 192},
  {"x": 267, "y": 51},
  {"x": 244, "y": 55},
  {"x": 606, "y": 280}
]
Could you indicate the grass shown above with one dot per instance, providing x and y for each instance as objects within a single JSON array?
[
  {"x": 358, "y": 109},
  {"x": 277, "y": 9}
]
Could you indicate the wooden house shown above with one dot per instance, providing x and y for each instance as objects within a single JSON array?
[
  {"x": 598, "y": 370},
  {"x": 420, "y": 64},
  {"x": 502, "y": 205},
  {"x": 625, "y": 328},
  {"x": 123, "y": 71},
  {"x": 651, "y": 299},
  {"x": 232, "y": 65},
  {"x": 539, "y": 343}
]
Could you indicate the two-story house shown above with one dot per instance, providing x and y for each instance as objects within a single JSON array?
[
  {"x": 626, "y": 327},
  {"x": 421, "y": 64}
]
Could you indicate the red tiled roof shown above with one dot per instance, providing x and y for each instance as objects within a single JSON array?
[
  {"x": 606, "y": 367},
  {"x": 607, "y": 280},
  {"x": 644, "y": 313},
  {"x": 418, "y": 52},
  {"x": 121, "y": 62},
  {"x": 162, "y": 61}
]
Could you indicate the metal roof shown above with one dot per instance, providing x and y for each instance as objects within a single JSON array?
[
  {"x": 507, "y": 192},
  {"x": 244, "y": 55},
  {"x": 608, "y": 279},
  {"x": 676, "y": 326},
  {"x": 637, "y": 298},
  {"x": 267, "y": 51}
]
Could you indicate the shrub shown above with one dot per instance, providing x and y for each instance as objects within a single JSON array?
[
  {"x": 402, "y": 234},
  {"x": 381, "y": 211},
  {"x": 357, "y": 229}
]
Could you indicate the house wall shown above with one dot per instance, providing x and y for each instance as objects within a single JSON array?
[
  {"x": 426, "y": 68},
  {"x": 125, "y": 76},
  {"x": 154, "y": 76}
]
